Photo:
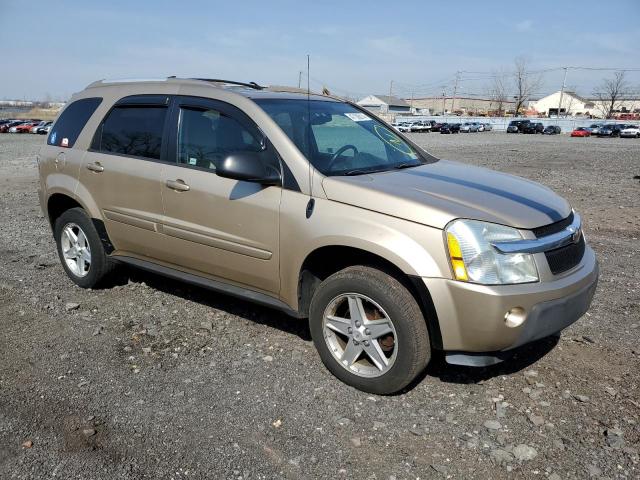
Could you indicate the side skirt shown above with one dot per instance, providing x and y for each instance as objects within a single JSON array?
[{"x": 217, "y": 286}]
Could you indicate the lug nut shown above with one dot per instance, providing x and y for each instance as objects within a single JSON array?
[
  {"x": 366, "y": 343},
  {"x": 350, "y": 330},
  {"x": 358, "y": 324},
  {"x": 355, "y": 342},
  {"x": 367, "y": 331}
]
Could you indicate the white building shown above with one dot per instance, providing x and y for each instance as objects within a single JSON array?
[
  {"x": 384, "y": 104},
  {"x": 575, "y": 105}
]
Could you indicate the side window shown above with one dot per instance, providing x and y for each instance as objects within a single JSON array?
[
  {"x": 71, "y": 122},
  {"x": 132, "y": 130},
  {"x": 206, "y": 137}
]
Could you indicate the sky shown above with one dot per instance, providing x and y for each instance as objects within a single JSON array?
[{"x": 53, "y": 49}]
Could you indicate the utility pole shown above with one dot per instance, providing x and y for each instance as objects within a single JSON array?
[
  {"x": 411, "y": 104},
  {"x": 391, "y": 88},
  {"x": 299, "y": 78},
  {"x": 455, "y": 91},
  {"x": 564, "y": 85},
  {"x": 443, "y": 100}
]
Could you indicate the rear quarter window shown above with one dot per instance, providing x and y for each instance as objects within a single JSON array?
[{"x": 72, "y": 120}]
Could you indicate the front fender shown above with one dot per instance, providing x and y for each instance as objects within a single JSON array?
[{"x": 416, "y": 249}]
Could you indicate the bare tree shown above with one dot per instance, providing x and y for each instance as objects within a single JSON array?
[
  {"x": 525, "y": 83},
  {"x": 610, "y": 93},
  {"x": 498, "y": 93}
]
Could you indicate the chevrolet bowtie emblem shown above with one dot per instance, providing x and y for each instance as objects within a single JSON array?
[{"x": 575, "y": 234}]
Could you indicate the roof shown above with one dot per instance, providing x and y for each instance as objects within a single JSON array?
[
  {"x": 250, "y": 90},
  {"x": 389, "y": 100},
  {"x": 395, "y": 101}
]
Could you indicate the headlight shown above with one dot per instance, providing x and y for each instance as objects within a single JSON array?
[{"x": 474, "y": 259}]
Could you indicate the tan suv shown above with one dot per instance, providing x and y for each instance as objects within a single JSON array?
[{"x": 313, "y": 206}]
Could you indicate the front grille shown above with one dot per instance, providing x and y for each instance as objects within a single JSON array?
[
  {"x": 553, "y": 227},
  {"x": 565, "y": 258}
]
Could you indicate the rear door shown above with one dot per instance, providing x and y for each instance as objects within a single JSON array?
[
  {"x": 222, "y": 227},
  {"x": 122, "y": 172}
]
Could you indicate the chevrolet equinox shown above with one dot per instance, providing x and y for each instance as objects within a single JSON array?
[{"x": 312, "y": 205}]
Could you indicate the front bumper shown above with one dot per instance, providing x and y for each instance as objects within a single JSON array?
[{"x": 472, "y": 317}]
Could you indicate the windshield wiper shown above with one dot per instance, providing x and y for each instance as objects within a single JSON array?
[
  {"x": 359, "y": 171},
  {"x": 406, "y": 165}
]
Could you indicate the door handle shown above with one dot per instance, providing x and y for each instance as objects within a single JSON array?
[
  {"x": 95, "y": 167},
  {"x": 178, "y": 185}
]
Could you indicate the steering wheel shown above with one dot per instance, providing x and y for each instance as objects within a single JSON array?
[{"x": 339, "y": 153}]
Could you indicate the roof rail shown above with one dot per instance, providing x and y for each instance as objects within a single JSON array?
[{"x": 253, "y": 85}]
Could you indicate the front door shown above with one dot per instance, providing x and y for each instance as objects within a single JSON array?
[{"x": 222, "y": 227}]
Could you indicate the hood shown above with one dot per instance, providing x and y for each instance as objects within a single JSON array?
[{"x": 436, "y": 193}]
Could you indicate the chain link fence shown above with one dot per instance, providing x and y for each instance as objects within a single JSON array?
[{"x": 500, "y": 123}]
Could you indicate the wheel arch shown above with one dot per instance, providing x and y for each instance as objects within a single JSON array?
[
  {"x": 59, "y": 198},
  {"x": 59, "y": 202},
  {"x": 329, "y": 259}
]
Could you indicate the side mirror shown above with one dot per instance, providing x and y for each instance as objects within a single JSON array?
[{"x": 249, "y": 167}]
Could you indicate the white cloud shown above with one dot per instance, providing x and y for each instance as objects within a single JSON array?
[{"x": 524, "y": 26}]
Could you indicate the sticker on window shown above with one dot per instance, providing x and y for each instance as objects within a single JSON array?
[
  {"x": 193, "y": 161},
  {"x": 358, "y": 117},
  {"x": 65, "y": 142}
]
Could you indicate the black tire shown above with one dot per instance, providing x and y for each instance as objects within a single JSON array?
[
  {"x": 101, "y": 266},
  {"x": 413, "y": 346}
]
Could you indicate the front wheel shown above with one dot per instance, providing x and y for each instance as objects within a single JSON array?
[{"x": 369, "y": 330}]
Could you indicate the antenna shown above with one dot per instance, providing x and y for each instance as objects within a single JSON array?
[
  {"x": 311, "y": 202},
  {"x": 309, "y": 123}
]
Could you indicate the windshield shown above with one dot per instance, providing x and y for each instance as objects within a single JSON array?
[{"x": 341, "y": 140}]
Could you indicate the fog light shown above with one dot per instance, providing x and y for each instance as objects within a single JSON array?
[{"x": 515, "y": 317}]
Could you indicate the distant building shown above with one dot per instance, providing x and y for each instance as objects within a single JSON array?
[
  {"x": 15, "y": 103},
  {"x": 384, "y": 104},
  {"x": 462, "y": 105},
  {"x": 576, "y": 105}
]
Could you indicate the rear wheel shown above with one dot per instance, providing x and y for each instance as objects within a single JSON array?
[
  {"x": 369, "y": 330},
  {"x": 80, "y": 249}
]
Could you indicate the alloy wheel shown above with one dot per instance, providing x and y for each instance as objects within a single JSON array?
[
  {"x": 360, "y": 335},
  {"x": 75, "y": 249}
]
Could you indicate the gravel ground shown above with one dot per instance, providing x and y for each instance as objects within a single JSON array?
[{"x": 157, "y": 379}]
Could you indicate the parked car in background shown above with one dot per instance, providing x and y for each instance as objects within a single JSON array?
[
  {"x": 595, "y": 128},
  {"x": 610, "y": 130},
  {"x": 469, "y": 127},
  {"x": 421, "y": 126},
  {"x": 581, "y": 132},
  {"x": 44, "y": 129},
  {"x": 531, "y": 127},
  {"x": 551, "y": 130},
  {"x": 24, "y": 127},
  {"x": 8, "y": 126},
  {"x": 487, "y": 127},
  {"x": 516, "y": 126},
  {"x": 447, "y": 128},
  {"x": 435, "y": 127},
  {"x": 34, "y": 129},
  {"x": 630, "y": 131}
]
